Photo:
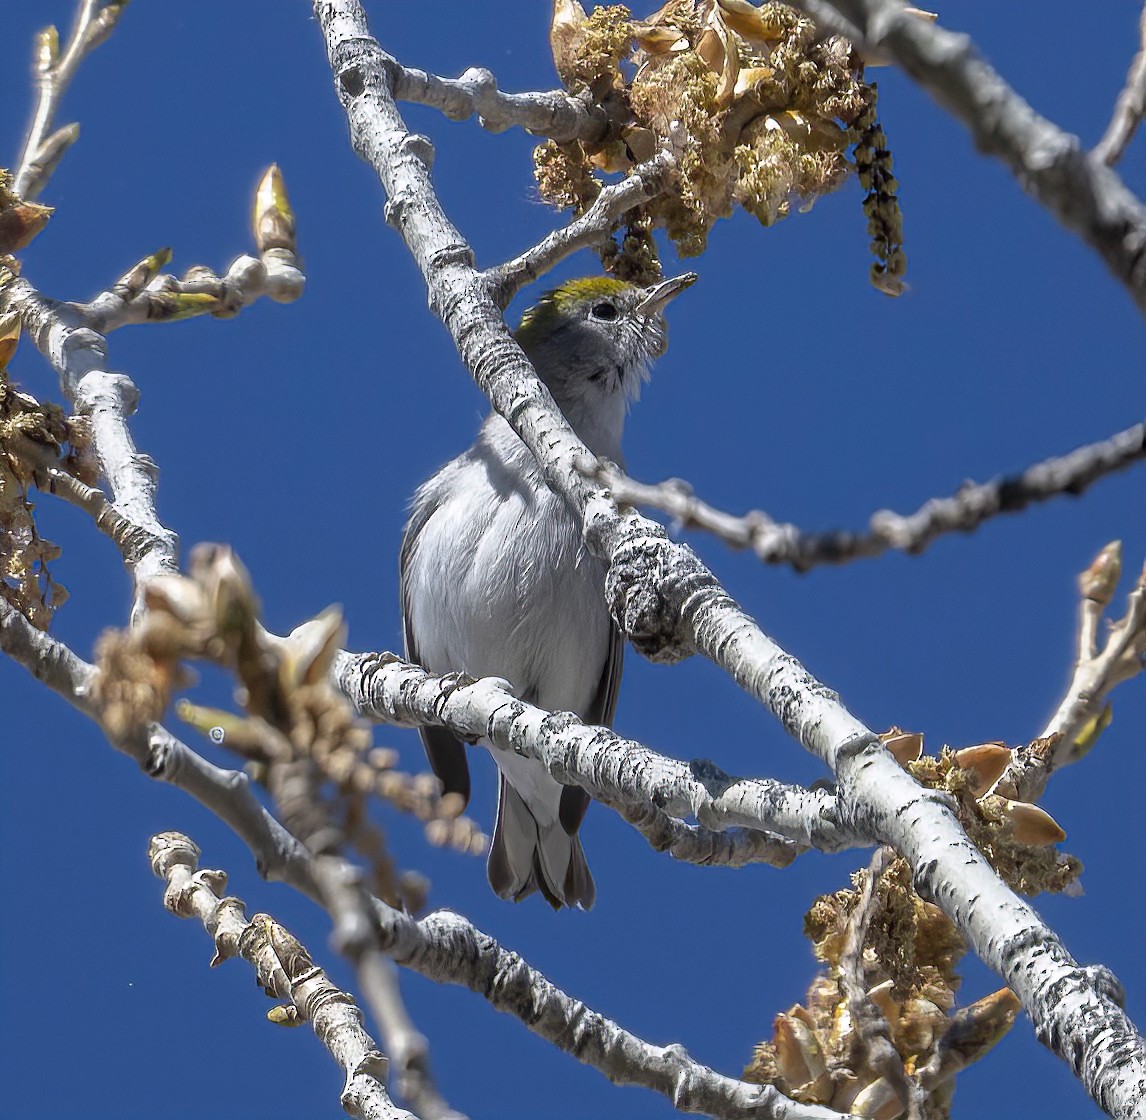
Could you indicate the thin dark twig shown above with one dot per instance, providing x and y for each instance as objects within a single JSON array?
[{"x": 778, "y": 543}]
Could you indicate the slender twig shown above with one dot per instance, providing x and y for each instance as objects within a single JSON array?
[
  {"x": 873, "y": 1046},
  {"x": 43, "y": 147},
  {"x": 1086, "y": 196},
  {"x": 779, "y": 543},
  {"x": 145, "y": 294},
  {"x": 1097, "y": 670},
  {"x": 228, "y": 794},
  {"x": 73, "y": 338},
  {"x": 553, "y": 113},
  {"x": 447, "y": 948},
  {"x": 47, "y": 659},
  {"x": 346, "y": 900},
  {"x": 284, "y": 971},
  {"x": 1129, "y": 108},
  {"x": 591, "y": 228},
  {"x": 670, "y": 606},
  {"x": 708, "y": 847},
  {"x": 408, "y": 1048}
]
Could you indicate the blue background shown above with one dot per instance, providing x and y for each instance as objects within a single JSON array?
[{"x": 296, "y": 434}]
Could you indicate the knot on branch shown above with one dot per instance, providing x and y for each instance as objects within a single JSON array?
[
  {"x": 648, "y": 586},
  {"x": 1106, "y": 984},
  {"x": 352, "y": 81}
]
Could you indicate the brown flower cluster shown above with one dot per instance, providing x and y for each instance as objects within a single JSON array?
[
  {"x": 890, "y": 982},
  {"x": 757, "y": 108},
  {"x": 891, "y": 957},
  {"x": 35, "y": 438},
  {"x": 299, "y": 734}
]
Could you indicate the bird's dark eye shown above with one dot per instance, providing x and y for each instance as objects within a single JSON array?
[{"x": 604, "y": 311}]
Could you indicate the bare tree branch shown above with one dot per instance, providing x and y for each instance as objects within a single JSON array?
[
  {"x": 145, "y": 294},
  {"x": 554, "y": 113},
  {"x": 73, "y": 339},
  {"x": 1086, "y": 196},
  {"x": 780, "y": 543},
  {"x": 294, "y": 779},
  {"x": 443, "y": 947},
  {"x": 446, "y": 948},
  {"x": 350, "y": 906},
  {"x": 46, "y": 659},
  {"x": 620, "y": 772},
  {"x": 278, "y": 854},
  {"x": 870, "y": 1028},
  {"x": 408, "y": 1048},
  {"x": 669, "y": 605},
  {"x": 43, "y": 147},
  {"x": 78, "y": 353},
  {"x": 1084, "y": 711},
  {"x": 284, "y": 970},
  {"x": 708, "y": 847},
  {"x": 1130, "y": 107},
  {"x": 591, "y": 228}
]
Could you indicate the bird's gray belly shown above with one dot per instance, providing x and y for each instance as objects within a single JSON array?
[{"x": 515, "y": 595}]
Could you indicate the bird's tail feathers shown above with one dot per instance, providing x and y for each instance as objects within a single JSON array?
[{"x": 525, "y": 857}]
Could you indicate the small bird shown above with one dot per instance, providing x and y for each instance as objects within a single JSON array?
[{"x": 496, "y": 580}]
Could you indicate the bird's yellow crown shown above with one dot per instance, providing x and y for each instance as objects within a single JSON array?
[{"x": 562, "y": 299}]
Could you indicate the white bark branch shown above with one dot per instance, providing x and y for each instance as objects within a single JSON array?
[
  {"x": 73, "y": 339},
  {"x": 145, "y": 295},
  {"x": 294, "y": 784},
  {"x": 735, "y": 814},
  {"x": 780, "y": 543},
  {"x": 78, "y": 353},
  {"x": 553, "y": 113},
  {"x": 1097, "y": 671},
  {"x": 592, "y": 228},
  {"x": 670, "y": 605},
  {"x": 1130, "y": 107},
  {"x": 1086, "y": 196},
  {"x": 408, "y": 1048},
  {"x": 45, "y": 145},
  {"x": 284, "y": 970},
  {"x": 444, "y": 947}
]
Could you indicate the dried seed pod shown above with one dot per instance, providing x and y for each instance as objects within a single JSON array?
[
  {"x": 798, "y": 1055},
  {"x": 905, "y": 746},
  {"x": 987, "y": 760},
  {"x": 1030, "y": 824}
]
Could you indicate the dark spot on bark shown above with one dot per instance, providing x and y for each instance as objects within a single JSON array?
[{"x": 351, "y": 81}]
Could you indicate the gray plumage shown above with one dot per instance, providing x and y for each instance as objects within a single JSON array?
[{"x": 496, "y": 580}]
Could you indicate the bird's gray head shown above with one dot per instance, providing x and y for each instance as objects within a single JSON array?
[
  {"x": 592, "y": 341},
  {"x": 598, "y": 332}
]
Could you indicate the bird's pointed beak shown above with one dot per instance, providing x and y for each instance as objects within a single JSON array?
[{"x": 657, "y": 296}]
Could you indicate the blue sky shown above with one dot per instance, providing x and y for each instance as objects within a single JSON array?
[{"x": 790, "y": 384}]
